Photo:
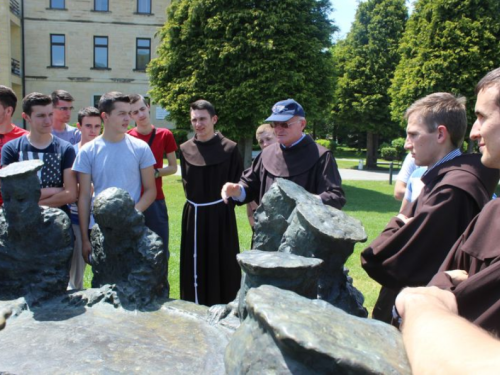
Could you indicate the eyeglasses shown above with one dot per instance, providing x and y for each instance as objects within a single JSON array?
[
  {"x": 65, "y": 108},
  {"x": 284, "y": 125}
]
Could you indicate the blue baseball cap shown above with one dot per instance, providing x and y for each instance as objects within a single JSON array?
[{"x": 285, "y": 110}]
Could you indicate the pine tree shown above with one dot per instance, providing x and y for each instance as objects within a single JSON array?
[
  {"x": 448, "y": 46},
  {"x": 365, "y": 62}
]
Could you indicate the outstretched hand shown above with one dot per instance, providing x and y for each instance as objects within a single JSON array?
[{"x": 230, "y": 190}]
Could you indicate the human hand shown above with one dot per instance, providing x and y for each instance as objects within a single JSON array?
[
  {"x": 86, "y": 250},
  {"x": 425, "y": 298},
  {"x": 457, "y": 276},
  {"x": 230, "y": 190}
]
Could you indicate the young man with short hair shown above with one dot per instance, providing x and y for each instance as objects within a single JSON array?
[
  {"x": 58, "y": 182},
  {"x": 63, "y": 105},
  {"x": 162, "y": 142},
  {"x": 414, "y": 244},
  {"x": 114, "y": 159},
  {"x": 89, "y": 123},
  {"x": 209, "y": 271},
  {"x": 472, "y": 269},
  {"x": 8, "y": 131}
]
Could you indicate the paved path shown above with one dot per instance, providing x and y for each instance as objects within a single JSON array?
[{"x": 354, "y": 174}]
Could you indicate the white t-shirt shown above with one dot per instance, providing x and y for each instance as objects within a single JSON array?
[{"x": 116, "y": 164}]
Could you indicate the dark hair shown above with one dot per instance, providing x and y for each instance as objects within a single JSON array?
[
  {"x": 442, "y": 108},
  {"x": 35, "y": 98},
  {"x": 134, "y": 98},
  {"x": 88, "y": 112},
  {"x": 490, "y": 79},
  {"x": 201, "y": 105},
  {"x": 108, "y": 100},
  {"x": 8, "y": 98},
  {"x": 61, "y": 95}
]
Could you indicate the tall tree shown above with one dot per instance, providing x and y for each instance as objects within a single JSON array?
[
  {"x": 365, "y": 62},
  {"x": 243, "y": 56},
  {"x": 448, "y": 46}
]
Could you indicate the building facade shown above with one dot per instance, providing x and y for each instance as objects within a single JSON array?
[
  {"x": 11, "y": 50},
  {"x": 89, "y": 47}
]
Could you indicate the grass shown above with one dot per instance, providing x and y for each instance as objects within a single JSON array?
[{"x": 371, "y": 202}]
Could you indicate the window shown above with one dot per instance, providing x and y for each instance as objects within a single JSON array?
[
  {"x": 101, "y": 5},
  {"x": 57, "y": 50},
  {"x": 57, "y": 4},
  {"x": 101, "y": 52},
  {"x": 95, "y": 100},
  {"x": 144, "y": 6},
  {"x": 143, "y": 53}
]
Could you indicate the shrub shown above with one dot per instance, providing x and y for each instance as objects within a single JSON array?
[
  {"x": 389, "y": 153},
  {"x": 325, "y": 143},
  {"x": 180, "y": 135},
  {"x": 399, "y": 145}
]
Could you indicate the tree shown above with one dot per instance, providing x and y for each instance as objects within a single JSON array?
[
  {"x": 448, "y": 46},
  {"x": 365, "y": 62},
  {"x": 243, "y": 56}
]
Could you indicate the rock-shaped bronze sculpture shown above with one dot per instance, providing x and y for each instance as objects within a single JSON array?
[
  {"x": 285, "y": 333},
  {"x": 36, "y": 243},
  {"x": 125, "y": 252}
]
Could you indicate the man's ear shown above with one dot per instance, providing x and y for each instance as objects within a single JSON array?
[
  {"x": 443, "y": 134},
  {"x": 78, "y": 126},
  {"x": 26, "y": 117},
  {"x": 303, "y": 124},
  {"x": 215, "y": 119},
  {"x": 104, "y": 115}
]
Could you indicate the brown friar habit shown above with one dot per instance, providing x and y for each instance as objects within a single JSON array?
[
  {"x": 477, "y": 252},
  {"x": 410, "y": 254},
  {"x": 307, "y": 164},
  {"x": 206, "y": 167}
]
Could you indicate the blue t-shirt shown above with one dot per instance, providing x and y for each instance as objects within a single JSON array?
[
  {"x": 57, "y": 157},
  {"x": 69, "y": 134}
]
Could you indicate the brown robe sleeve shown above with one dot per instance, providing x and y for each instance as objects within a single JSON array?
[{"x": 410, "y": 254}]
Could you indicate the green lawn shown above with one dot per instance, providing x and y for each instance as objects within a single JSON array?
[{"x": 369, "y": 201}]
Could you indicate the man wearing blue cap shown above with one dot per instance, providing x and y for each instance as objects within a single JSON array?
[{"x": 295, "y": 157}]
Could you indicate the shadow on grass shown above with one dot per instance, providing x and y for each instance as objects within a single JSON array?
[{"x": 364, "y": 199}]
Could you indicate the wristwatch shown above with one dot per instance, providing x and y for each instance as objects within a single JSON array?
[{"x": 157, "y": 173}]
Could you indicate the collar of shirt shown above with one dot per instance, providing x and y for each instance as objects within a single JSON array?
[
  {"x": 294, "y": 143},
  {"x": 452, "y": 155}
]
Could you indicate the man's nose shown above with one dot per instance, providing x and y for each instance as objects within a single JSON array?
[{"x": 475, "y": 134}]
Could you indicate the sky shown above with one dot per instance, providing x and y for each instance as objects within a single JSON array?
[{"x": 344, "y": 15}]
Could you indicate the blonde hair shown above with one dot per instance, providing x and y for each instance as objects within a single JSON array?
[{"x": 262, "y": 129}]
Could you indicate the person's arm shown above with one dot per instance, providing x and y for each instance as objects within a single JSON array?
[
  {"x": 172, "y": 165},
  {"x": 329, "y": 182},
  {"x": 48, "y": 192},
  {"x": 437, "y": 340},
  {"x": 84, "y": 200},
  {"x": 410, "y": 252},
  {"x": 399, "y": 190},
  {"x": 149, "y": 193},
  {"x": 68, "y": 195}
]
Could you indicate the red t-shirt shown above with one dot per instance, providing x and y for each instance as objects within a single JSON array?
[
  {"x": 16, "y": 132},
  {"x": 164, "y": 143}
]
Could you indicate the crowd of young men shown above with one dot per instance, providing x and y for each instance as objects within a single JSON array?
[{"x": 443, "y": 238}]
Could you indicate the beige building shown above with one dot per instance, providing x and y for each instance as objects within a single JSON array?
[
  {"x": 88, "y": 47},
  {"x": 11, "y": 50}
]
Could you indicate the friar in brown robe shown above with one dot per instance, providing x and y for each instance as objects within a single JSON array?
[
  {"x": 472, "y": 269},
  {"x": 209, "y": 272},
  {"x": 295, "y": 157},
  {"x": 412, "y": 247}
]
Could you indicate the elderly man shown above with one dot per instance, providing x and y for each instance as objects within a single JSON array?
[
  {"x": 295, "y": 157},
  {"x": 413, "y": 245}
]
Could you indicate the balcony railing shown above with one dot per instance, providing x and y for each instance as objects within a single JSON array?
[
  {"x": 15, "y": 67},
  {"x": 15, "y": 7}
]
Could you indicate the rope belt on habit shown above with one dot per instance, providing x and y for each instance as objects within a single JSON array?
[{"x": 196, "y": 205}]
